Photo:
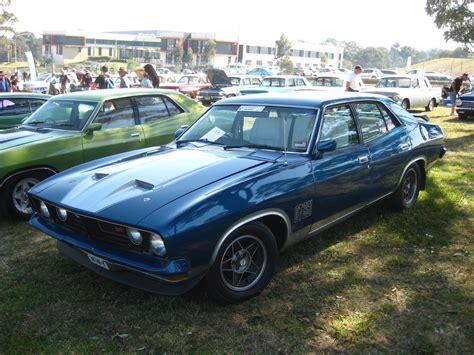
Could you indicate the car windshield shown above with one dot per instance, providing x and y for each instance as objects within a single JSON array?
[
  {"x": 273, "y": 82},
  {"x": 266, "y": 127},
  {"x": 393, "y": 83},
  {"x": 234, "y": 81},
  {"x": 328, "y": 82},
  {"x": 62, "y": 114},
  {"x": 188, "y": 80}
]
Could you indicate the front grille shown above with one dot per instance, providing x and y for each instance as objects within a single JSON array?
[
  {"x": 95, "y": 230},
  {"x": 467, "y": 104}
]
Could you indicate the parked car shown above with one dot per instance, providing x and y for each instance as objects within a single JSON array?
[
  {"x": 74, "y": 128},
  {"x": 15, "y": 106},
  {"x": 42, "y": 82},
  {"x": 254, "y": 175},
  {"x": 278, "y": 83},
  {"x": 371, "y": 73},
  {"x": 328, "y": 71},
  {"x": 225, "y": 86},
  {"x": 465, "y": 105},
  {"x": 329, "y": 82},
  {"x": 389, "y": 72},
  {"x": 434, "y": 76},
  {"x": 259, "y": 71},
  {"x": 188, "y": 84},
  {"x": 410, "y": 91}
]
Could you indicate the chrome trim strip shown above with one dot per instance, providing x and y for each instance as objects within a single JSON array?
[
  {"x": 422, "y": 157},
  {"x": 25, "y": 171},
  {"x": 247, "y": 219},
  {"x": 333, "y": 220}
]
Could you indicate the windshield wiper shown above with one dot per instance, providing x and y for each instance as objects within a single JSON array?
[
  {"x": 197, "y": 141},
  {"x": 258, "y": 146}
]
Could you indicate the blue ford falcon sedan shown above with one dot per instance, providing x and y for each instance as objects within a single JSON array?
[{"x": 254, "y": 175}]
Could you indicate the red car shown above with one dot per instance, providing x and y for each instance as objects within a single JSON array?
[{"x": 188, "y": 84}]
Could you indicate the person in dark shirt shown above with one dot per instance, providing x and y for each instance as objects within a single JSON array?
[
  {"x": 100, "y": 82},
  {"x": 454, "y": 90},
  {"x": 4, "y": 83}
]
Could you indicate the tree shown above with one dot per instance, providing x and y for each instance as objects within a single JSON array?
[
  {"x": 455, "y": 17},
  {"x": 209, "y": 50},
  {"x": 27, "y": 41},
  {"x": 188, "y": 57},
  {"x": 177, "y": 54},
  {"x": 283, "y": 47},
  {"x": 7, "y": 19},
  {"x": 286, "y": 65}
]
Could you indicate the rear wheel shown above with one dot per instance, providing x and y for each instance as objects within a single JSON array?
[
  {"x": 407, "y": 193},
  {"x": 245, "y": 263},
  {"x": 431, "y": 105},
  {"x": 15, "y": 198},
  {"x": 405, "y": 104}
]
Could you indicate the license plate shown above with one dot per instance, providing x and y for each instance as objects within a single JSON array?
[
  {"x": 98, "y": 261},
  {"x": 207, "y": 98}
]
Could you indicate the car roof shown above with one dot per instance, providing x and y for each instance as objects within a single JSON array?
[
  {"x": 102, "y": 95},
  {"x": 29, "y": 95},
  {"x": 299, "y": 98}
]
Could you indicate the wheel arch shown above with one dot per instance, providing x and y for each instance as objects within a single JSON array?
[
  {"x": 43, "y": 169},
  {"x": 275, "y": 219},
  {"x": 421, "y": 162}
]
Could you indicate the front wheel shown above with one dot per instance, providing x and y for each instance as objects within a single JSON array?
[
  {"x": 245, "y": 263},
  {"x": 431, "y": 105},
  {"x": 405, "y": 104},
  {"x": 407, "y": 193},
  {"x": 16, "y": 199}
]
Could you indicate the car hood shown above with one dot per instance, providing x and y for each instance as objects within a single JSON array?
[
  {"x": 14, "y": 137},
  {"x": 136, "y": 186},
  {"x": 218, "y": 77}
]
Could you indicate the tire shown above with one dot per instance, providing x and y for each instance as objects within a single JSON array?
[
  {"x": 405, "y": 104},
  {"x": 407, "y": 193},
  {"x": 431, "y": 105},
  {"x": 15, "y": 199},
  {"x": 244, "y": 265}
]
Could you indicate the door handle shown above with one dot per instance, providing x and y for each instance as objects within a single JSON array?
[
  {"x": 404, "y": 147},
  {"x": 135, "y": 134},
  {"x": 363, "y": 159}
]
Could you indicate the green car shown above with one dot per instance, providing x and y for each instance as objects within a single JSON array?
[
  {"x": 74, "y": 128},
  {"x": 15, "y": 106}
]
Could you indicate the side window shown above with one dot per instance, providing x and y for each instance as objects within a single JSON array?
[
  {"x": 246, "y": 81},
  {"x": 35, "y": 103},
  {"x": 13, "y": 107},
  {"x": 116, "y": 113},
  {"x": 256, "y": 81},
  {"x": 415, "y": 83},
  {"x": 300, "y": 82},
  {"x": 390, "y": 121},
  {"x": 173, "y": 108},
  {"x": 290, "y": 82},
  {"x": 151, "y": 108},
  {"x": 339, "y": 125},
  {"x": 371, "y": 120}
]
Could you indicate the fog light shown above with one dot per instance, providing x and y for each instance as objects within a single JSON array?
[
  {"x": 44, "y": 210},
  {"x": 157, "y": 245},
  {"x": 62, "y": 214},
  {"x": 135, "y": 236}
]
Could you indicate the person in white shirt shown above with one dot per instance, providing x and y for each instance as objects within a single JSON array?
[{"x": 354, "y": 81}]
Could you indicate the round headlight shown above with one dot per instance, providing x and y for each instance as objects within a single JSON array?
[
  {"x": 135, "y": 236},
  {"x": 157, "y": 245},
  {"x": 458, "y": 102},
  {"x": 44, "y": 210},
  {"x": 62, "y": 214}
]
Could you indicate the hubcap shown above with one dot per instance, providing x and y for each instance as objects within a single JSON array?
[
  {"x": 20, "y": 197},
  {"x": 409, "y": 186},
  {"x": 243, "y": 263}
]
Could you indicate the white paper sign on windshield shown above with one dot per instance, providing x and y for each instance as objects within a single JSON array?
[
  {"x": 252, "y": 108},
  {"x": 213, "y": 135}
]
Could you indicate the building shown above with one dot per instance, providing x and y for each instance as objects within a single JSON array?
[{"x": 168, "y": 48}]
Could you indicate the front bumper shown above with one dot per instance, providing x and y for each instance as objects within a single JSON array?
[
  {"x": 166, "y": 277},
  {"x": 209, "y": 98}
]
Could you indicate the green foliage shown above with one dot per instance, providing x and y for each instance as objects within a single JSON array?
[
  {"x": 455, "y": 17},
  {"x": 7, "y": 19},
  {"x": 286, "y": 65},
  {"x": 188, "y": 57},
  {"x": 209, "y": 50},
  {"x": 27, "y": 41},
  {"x": 178, "y": 53},
  {"x": 283, "y": 47}
]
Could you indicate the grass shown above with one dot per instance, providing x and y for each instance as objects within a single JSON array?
[
  {"x": 450, "y": 66},
  {"x": 379, "y": 282}
]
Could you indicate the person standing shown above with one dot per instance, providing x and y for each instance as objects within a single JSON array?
[
  {"x": 454, "y": 90},
  {"x": 146, "y": 81},
  {"x": 124, "y": 81},
  {"x": 354, "y": 81},
  {"x": 4, "y": 83},
  {"x": 104, "y": 81}
]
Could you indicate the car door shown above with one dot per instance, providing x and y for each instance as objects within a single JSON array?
[
  {"x": 113, "y": 130},
  {"x": 341, "y": 177},
  {"x": 160, "y": 118},
  {"x": 387, "y": 142}
]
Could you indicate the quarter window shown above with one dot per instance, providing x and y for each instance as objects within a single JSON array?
[
  {"x": 339, "y": 125},
  {"x": 173, "y": 109},
  {"x": 151, "y": 108},
  {"x": 371, "y": 120},
  {"x": 116, "y": 113}
]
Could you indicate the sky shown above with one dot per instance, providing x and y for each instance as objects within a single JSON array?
[{"x": 377, "y": 23}]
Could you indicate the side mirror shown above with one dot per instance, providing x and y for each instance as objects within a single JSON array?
[
  {"x": 327, "y": 146},
  {"x": 94, "y": 127},
  {"x": 180, "y": 131}
]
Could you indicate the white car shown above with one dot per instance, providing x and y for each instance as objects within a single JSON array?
[
  {"x": 41, "y": 84},
  {"x": 328, "y": 83},
  {"x": 371, "y": 73}
]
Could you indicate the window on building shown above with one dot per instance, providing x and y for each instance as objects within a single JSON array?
[
  {"x": 89, "y": 51},
  {"x": 110, "y": 52},
  {"x": 100, "y": 51},
  {"x": 59, "y": 50},
  {"x": 259, "y": 62}
]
